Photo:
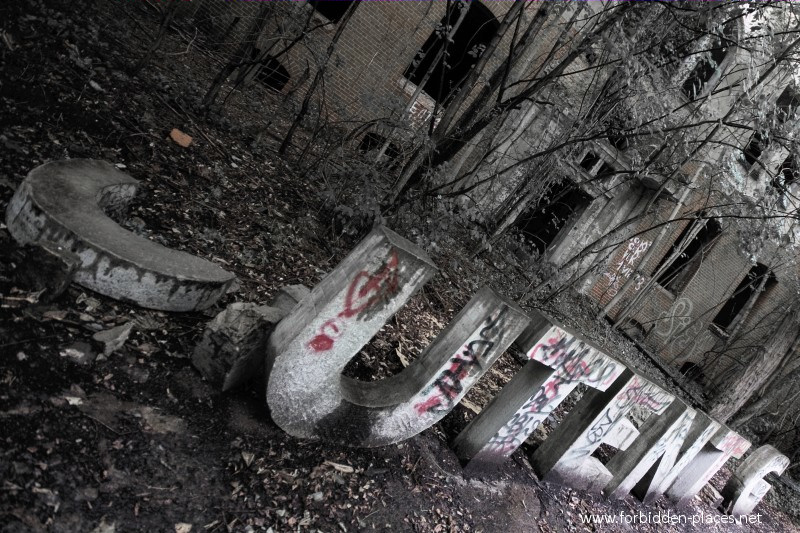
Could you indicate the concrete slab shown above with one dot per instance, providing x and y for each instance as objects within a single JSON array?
[
  {"x": 66, "y": 202},
  {"x": 661, "y": 475},
  {"x": 306, "y": 392},
  {"x": 621, "y": 435}
]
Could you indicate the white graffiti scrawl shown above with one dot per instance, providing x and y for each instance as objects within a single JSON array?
[{"x": 622, "y": 269}]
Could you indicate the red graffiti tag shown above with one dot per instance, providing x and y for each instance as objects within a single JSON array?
[{"x": 364, "y": 291}]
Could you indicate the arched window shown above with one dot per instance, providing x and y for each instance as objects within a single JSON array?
[
  {"x": 270, "y": 71},
  {"x": 441, "y": 66}
]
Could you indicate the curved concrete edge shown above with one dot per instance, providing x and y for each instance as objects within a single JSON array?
[
  {"x": 158, "y": 286},
  {"x": 747, "y": 486}
]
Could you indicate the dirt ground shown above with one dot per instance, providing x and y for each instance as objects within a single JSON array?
[{"x": 135, "y": 440}]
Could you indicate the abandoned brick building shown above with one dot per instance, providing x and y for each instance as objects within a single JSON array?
[{"x": 710, "y": 292}]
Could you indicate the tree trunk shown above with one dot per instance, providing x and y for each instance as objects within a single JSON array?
[{"x": 167, "y": 16}]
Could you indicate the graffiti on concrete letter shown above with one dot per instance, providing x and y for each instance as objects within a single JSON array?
[
  {"x": 621, "y": 270},
  {"x": 365, "y": 291}
]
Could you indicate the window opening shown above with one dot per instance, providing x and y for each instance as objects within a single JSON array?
[
  {"x": 698, "y": 80},
  {"x": 677, "y": 274},
  {"x": 743, "y": 293},
  {"x": 589, "y": 161},
  {"x": 332, "y": 10},
  {"x": 372, "y": 141},
  {"x": 605, "y": 171},
  {"x": 468, "y": 43},
  {"x": 541, "y": 225},
  {"x": 755, "y": 147},
  {"x": 271, "y": 73}
]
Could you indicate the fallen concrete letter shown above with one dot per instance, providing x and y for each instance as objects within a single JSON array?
[
  {"x": 747, "y": 486},
  {"x": 661, "y": 475},
  {"x": 660, "y": 437},
  {"x": 307, "y": 395},
  {"x": 725, "y": 444},
  {"x": 559, "y": 361},
  {"x": 565, "y": 456},
  {"x": 65, "y": 202}
]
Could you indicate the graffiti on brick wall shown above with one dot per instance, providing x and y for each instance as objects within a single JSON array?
[
  {"x": 677, "y": 326},
  {"x": 364, "y": 292},
  {"x": 420, "y": 113},
  {"x": 446, "y": 389},
  {"x": 622, "y": 269}
]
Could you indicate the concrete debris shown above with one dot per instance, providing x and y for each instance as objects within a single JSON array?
[
  {"x": 234, "y": 343},
  {"x": 113, "y": 339}
]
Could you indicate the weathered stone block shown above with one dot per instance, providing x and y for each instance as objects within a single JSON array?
[
  {"x": 747, "y": 486},
  {"x": 565, "y": 456},
  {"x": 232, "y": 348},
  {"x": 558, "y": 361},
  {"x": 65, "y": 202}
]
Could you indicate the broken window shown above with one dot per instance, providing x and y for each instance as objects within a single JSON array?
[
  {"x": 699, "y": 79},
  {"x": 619, "y": 141},
  {"x": 787, "y": 173},
  {"x": 271, "y": 73},
  {"x": 701, "y": 236},
  {"x": 332, "y": 10},
  {"x": 441, "y": 66},
  {"x": 785, "y": 108},
  {"x": 605, "y": 171},
  {"x": 758, "y": 281},
  {"x": 755, "y": 147},
  {"x": 542, "y": 224},
  {"x": 589, "y": 161}
]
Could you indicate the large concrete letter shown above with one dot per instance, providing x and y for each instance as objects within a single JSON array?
[
  {"x": 565, "y": 456},
  {"x": 660, "y": 437},
  {"x": 653, "y": 485},
  {"x": 307, "y": 394},
  {"x": 723, "y": 445},
  {"x": 65, "y": 202},
  {"x": 747, "y": 486},
  {"x": 559, "y": 361}
]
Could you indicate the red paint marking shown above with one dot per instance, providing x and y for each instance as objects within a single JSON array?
[
  {"x": 428, "y": 405},
  {"x": 321, "y": 343},
  {"x": 364, "y": 291}
]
